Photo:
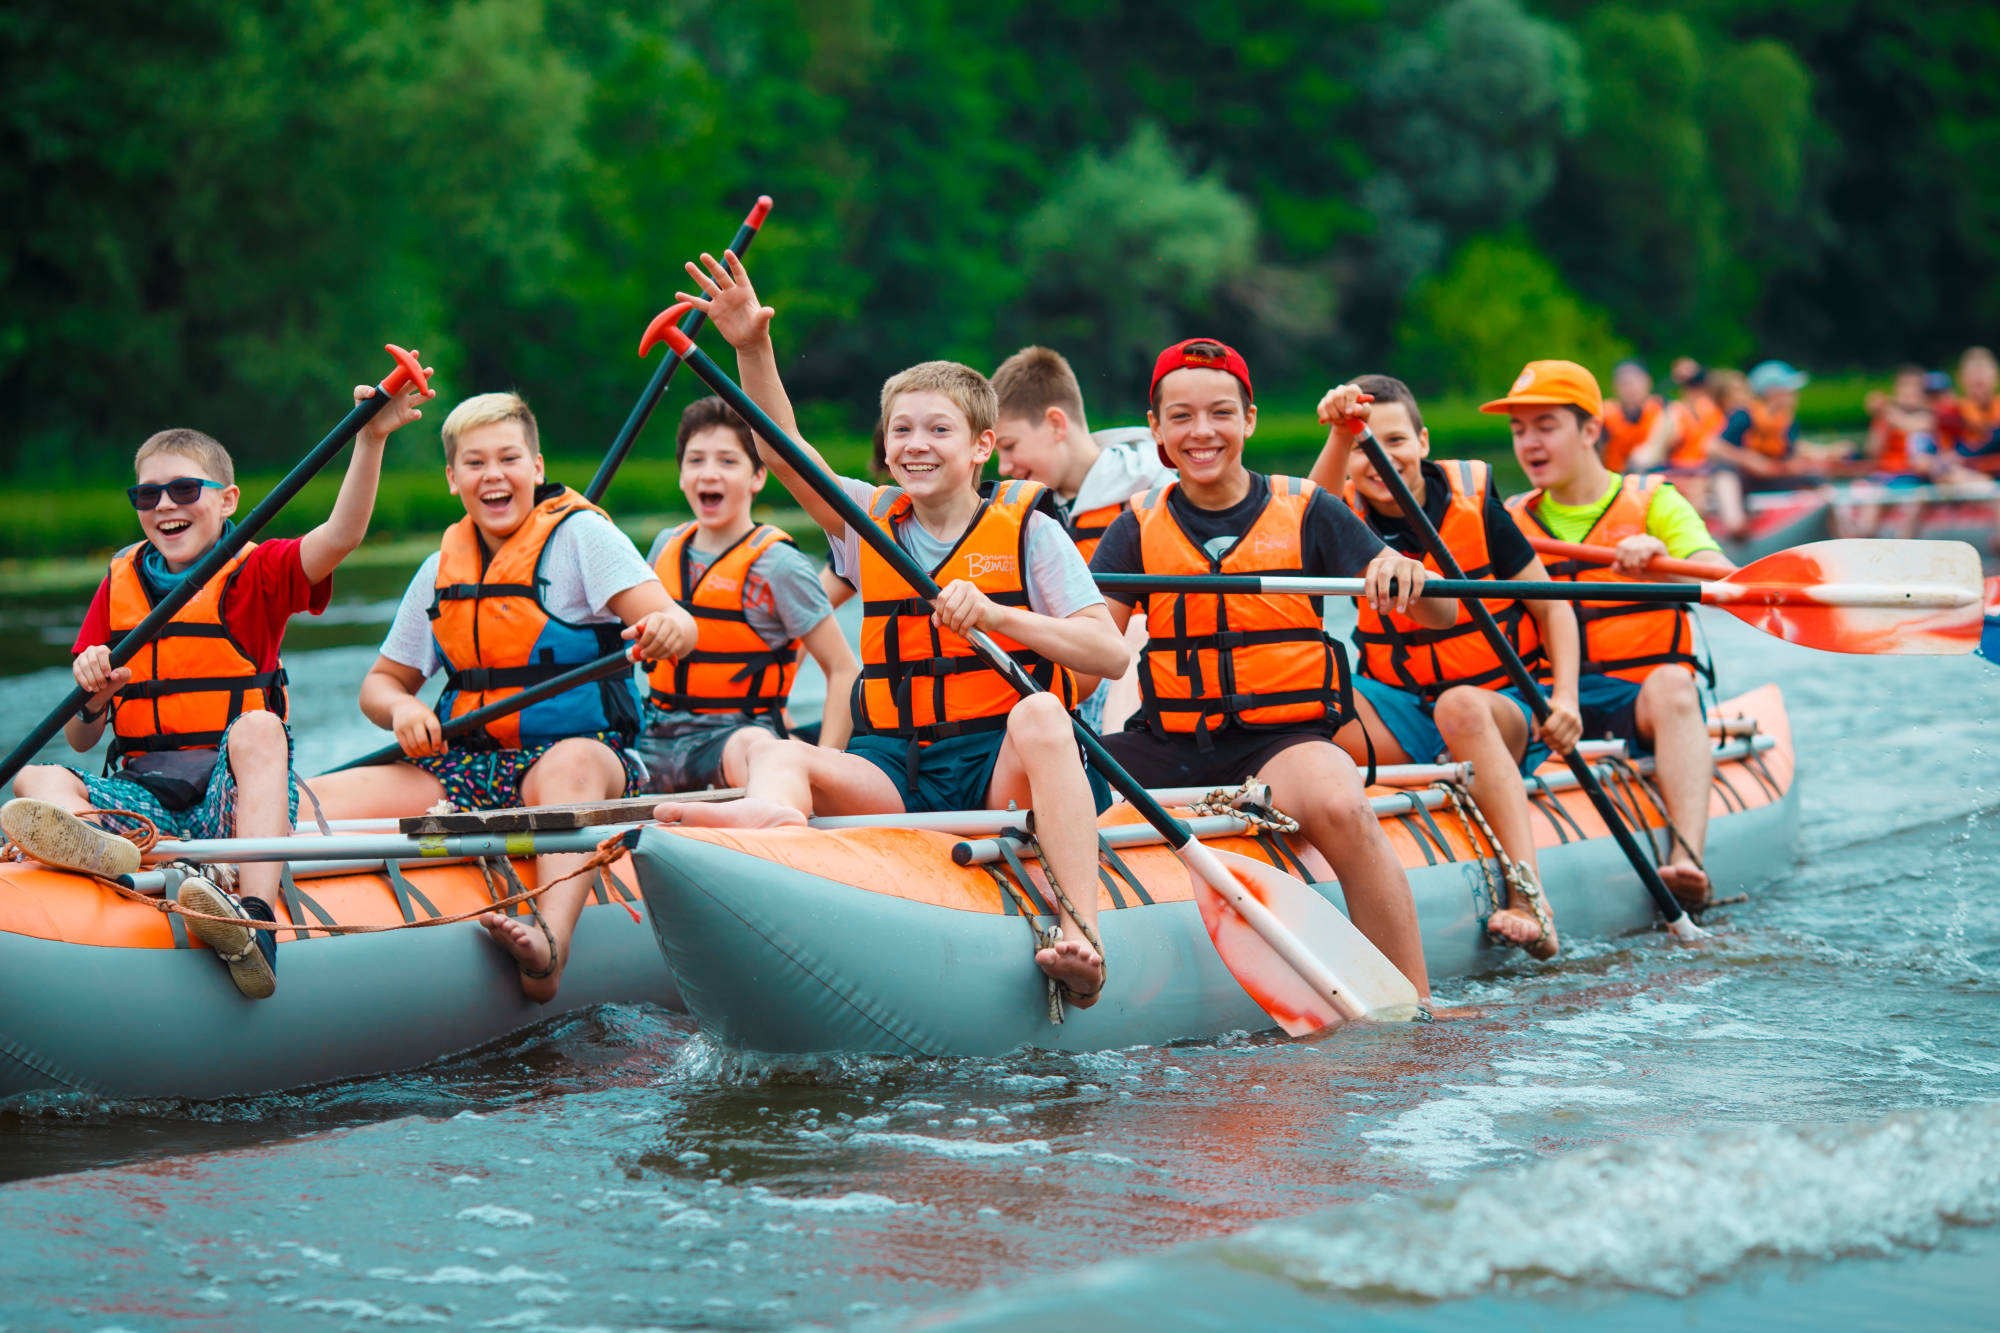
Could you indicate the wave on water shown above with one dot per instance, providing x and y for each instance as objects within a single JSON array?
[{"x": 1661, "y": 1217}]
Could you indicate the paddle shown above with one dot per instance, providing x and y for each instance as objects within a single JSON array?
[
  {"x": 407, "y": 371},
  {"x": 628, "y": 434},
  {"x": 1302, "y": 961},
  {"x": 1677, "y": 919},
  {"x": 603, "y": 668},
  {"x": 1605, "y": 555},
  {"x": 1856, "y": 595}
]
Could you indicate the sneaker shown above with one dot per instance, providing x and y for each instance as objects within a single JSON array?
[
  {"x": 250, "y": 955},
  {"x": 57, "y": 838}
]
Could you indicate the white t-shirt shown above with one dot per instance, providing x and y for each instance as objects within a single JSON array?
[
  {"x": 587, "y": 562},
  {"x": 1059, "y": 582}
]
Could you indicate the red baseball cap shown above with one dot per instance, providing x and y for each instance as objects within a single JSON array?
[{"x": 1178, "y": 357}]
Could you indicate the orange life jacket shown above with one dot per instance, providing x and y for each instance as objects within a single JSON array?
[
  {"x": 925, "y": 683},
  {"x": 1088, "y": 528},
  {"x": 497, "y": 638},
  {"x": 1623, "y": 434},
  {"x": 1253, "y": 660},
  {"x": 732, "y": 669},
  {"x": 1973, "y": 427},
  {"x": 1628, "y": 640},
  {"x": 1700, "y": 421},
  {"x": 194, "y": 678},
  {"x": 1770, "y": 432},
  {"x": 1398, "y": 651}
]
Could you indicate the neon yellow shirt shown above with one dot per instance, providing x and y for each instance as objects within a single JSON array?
[{"x": 1669, "y": 517}]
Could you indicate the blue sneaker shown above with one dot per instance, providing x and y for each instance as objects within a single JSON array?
[{"x": 250, "y": 955}]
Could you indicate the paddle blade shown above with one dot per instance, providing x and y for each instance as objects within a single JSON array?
[
  {"x": 1290, "y": 949},
  {"x": 1861, "y": 595}
]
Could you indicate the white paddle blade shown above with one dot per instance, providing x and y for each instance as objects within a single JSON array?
[
  {"x": 1862, "y": 595},
  {"x": 1290, "y": 949}
]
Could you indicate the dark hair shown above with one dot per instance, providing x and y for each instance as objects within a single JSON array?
[
  {"x": 703, "y": 413},
  {"x": 1582, "y": 417},
  {"x": 1216, "y": 350},
  {"x": 1389, "y": 389}
]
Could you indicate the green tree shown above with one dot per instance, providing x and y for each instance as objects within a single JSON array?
[{"x": 1498, "y": 305}]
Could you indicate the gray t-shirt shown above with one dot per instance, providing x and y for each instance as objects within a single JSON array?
[
  {"x": 1059, "y": 582},
  {"x": 782, "y": 600}
]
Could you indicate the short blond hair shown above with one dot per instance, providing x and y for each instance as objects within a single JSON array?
[
  {"x": 968, "y": 390},
  {"x": 190, "y": 444},
  {"x": 1035, "y": 379},
  {"x": 488, "y": 409}
]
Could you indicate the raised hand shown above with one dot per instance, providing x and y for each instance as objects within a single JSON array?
[
  {"x": 400, "y": 412},
  {"x": 1341, "y": 404},
  {"x": 728, "y": 299}
]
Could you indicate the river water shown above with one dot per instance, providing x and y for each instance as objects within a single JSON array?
[{"x": 1795, "y": 1125}]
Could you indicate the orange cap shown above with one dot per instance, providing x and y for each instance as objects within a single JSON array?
[{"x": 1551, "y": 384}]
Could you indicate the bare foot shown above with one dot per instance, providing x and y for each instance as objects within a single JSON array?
[
  {"x": 1688, "y": 881},
  {"x": 527, "y": 946},
  {"x": 747, "y": 812},
  {"x": 1075, "y": 966},
  {"x": 1516, "y": 922}
]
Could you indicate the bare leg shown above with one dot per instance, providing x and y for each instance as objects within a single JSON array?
[
  {"x": 1489, "y": 731},
  {"x": 1320, "y": 787},
  {"x": 259, "y": 756},
  {"x": 383, "y": 791},
  {"x": 1368, "y": 728},
  {"x": 54, "y": 784},
  {"x": 1669, "y": 717},
  {"x": 578, "y": 769},
  {"x": 786, "y": 780},
  {"x": 1039, "y": 767}
]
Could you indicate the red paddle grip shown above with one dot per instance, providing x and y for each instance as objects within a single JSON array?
[
  {"x": 759, "y": 213},
  {"x": 408, "y": 371},
  {"x": 666, "y": 328}
]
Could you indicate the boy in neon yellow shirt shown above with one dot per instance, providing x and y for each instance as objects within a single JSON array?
[{"x": 1636, "y": 681}]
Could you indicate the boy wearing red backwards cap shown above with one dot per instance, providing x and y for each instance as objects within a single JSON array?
[
  {"x": 1234, "y": 686},
  {"x": 1636, "y": 681},
  {"x": 934, "y": 727}
]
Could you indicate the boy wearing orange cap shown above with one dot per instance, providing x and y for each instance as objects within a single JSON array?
[
  {"x": 1636, "y": 681},
  {"x": 1235, "y": 686}
]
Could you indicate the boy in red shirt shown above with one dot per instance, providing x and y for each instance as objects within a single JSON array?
[{"x": 199, "y": 744}]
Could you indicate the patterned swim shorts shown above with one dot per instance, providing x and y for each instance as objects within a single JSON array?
[
  {"x": 214, "y": 816},
  {"x": 491, "y": 779}
]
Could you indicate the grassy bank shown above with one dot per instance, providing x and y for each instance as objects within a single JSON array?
[{"x": 60, "y": 537}]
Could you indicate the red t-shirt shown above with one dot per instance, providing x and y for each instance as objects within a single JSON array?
[{"x": 270, "y": 589}]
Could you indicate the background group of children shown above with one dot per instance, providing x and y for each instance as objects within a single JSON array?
[
  {"x": 536, "y": 580},
  {"x": 1726, "y": 435}
]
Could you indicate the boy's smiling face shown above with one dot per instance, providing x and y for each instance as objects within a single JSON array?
[
  {"x": 930, "y": 448},
  {"x": 1030, "y": 448},
  {"x": 1202, "y": 423},
  {"x": 719, "y": 477},
  {"x": 494, "y": 474},
  {"x": 183, "y": 533},
  {"x": 1407, "y": 449}
]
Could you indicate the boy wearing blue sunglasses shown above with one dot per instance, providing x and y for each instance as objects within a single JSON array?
[{"x": 199, "y": 742}]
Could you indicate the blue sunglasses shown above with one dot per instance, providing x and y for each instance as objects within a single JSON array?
[{"x": 181, "y": 490}]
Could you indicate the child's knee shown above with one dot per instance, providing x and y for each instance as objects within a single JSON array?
[
  {"x": 258, "y": 738},
  {"x": 575, "y": 769},
  {"x": 49, "y": 782},
  {"x": 1462, "y": 711},
  {"x": 1039, "y": 723}
]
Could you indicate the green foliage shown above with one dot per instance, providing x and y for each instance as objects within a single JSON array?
[{"x": 1497, "y": 306}]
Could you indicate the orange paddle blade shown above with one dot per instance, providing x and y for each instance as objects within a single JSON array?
[
  {"x": 1862, "y": 595},
  {"x": 1293, "y": 952}
]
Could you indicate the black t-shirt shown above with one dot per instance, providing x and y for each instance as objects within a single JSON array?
[
  {"x": 1336, "y": 543},
  {"x": 1505, "y": 543}
]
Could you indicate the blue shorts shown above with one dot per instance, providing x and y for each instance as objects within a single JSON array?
[
  {"x": 1409, "y": 719},
  {"x": 952, "y": 774},
  {"x": 1609, "y": 706}
]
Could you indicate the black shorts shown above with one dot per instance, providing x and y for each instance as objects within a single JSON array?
[{"x": 1178, "y": 760}]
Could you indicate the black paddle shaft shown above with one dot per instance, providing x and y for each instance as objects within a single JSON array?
[
  {"x": 829, "y": 489},
  {"x": 603, "y": 668},
  {"x": 656, "y": 387},
  {"x": 209, "y": 565},
  {"x": 1517, "y": 670},
  {"x": 1256, "y": 584}
]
